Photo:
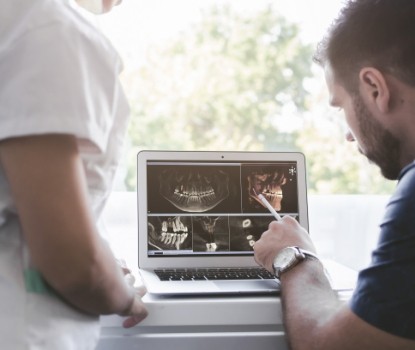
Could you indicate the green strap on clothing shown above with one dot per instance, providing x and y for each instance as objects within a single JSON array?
[{"x": 35, "y": 283}]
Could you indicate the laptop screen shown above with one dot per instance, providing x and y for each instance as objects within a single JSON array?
[{"x": 209, "y": 208}]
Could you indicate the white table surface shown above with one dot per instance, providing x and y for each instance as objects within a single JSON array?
[
  {"x": 219, "y": 322},
  {"x": 238, "y": 322}
]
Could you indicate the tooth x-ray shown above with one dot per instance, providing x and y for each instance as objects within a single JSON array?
[
  {"x": 277, "y": 183},
  {"x": 210, "y": 233},
  {"x": 212, "y": 208},
  {"x": 169, "y": 233},
  {"x": 246, "y": 230},
  {"x": 194, "y": 189}
]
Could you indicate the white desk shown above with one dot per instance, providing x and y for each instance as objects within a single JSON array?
[
  {"x": 210, "y": 322},
  {"x": 201, "y": 323}
]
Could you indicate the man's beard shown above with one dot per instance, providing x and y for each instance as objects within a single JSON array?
[{"x": 381, "y": 147}]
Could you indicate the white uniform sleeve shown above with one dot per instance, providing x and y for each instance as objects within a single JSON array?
[{"x": 53, "y": 80}]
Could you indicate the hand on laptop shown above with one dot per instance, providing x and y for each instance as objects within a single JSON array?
[
  {"x": 137, "y": 311},
  {"x": 128, "y": 275},
  {"x": 281, "y": 234}
]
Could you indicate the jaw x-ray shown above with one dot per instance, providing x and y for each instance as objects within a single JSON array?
[
  {"x": 277, "y": 183},
  {"x": 213, "y": 209},
  {"x": 194, "y": 189}
]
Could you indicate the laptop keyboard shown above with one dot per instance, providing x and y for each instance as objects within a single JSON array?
[{"x": 198, "y": 274}]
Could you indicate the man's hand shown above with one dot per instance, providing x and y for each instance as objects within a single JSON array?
[{"x": 281, "y": 234}]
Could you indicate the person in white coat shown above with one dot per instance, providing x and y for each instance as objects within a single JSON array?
[{"x": 63, "y": 118}]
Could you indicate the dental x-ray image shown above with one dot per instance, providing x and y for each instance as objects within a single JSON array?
[
  {"x": 246, "y": 230},
  {"x": 210, "y": 233},
  {"x": 169, "y": 233},
  {"x": 211, "y": 209},
  {"x": 278, "y": 184},
  {"x": 193, "y": 189}
]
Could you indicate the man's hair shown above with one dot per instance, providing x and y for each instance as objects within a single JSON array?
[{"x": 375, "y": 33}]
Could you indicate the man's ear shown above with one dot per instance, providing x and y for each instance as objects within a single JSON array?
[{"x": 374, "y": 88}]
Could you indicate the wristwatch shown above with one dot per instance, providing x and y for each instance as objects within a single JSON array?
[{"x": 289, "y": 257}]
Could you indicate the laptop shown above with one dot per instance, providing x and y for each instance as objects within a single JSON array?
[{"x": 199, "y": 217}]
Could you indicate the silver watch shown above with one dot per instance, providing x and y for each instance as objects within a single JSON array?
[{"x": 289, "y": 257}]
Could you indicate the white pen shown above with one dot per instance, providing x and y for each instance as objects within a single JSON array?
[{"x": 269, "y": 206}]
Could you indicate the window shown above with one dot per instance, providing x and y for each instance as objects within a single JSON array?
[{"x": 236, "y": 75}]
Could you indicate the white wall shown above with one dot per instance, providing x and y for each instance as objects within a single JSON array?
[{"x": 345, "y": 228}]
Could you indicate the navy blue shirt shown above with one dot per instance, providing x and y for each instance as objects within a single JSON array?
[{"x": 385, "y": 292}]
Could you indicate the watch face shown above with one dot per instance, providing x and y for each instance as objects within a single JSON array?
[{"x": 284, "y": 258}]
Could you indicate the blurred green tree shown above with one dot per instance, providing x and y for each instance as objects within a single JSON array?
[
  {"x": 333, "y": 164},
  {"x": 237, "y": 81},
  {"x": 230, "y": 82}
]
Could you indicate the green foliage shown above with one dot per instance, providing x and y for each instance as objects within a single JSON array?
[
  {"x": 221, "y": 85},
  {"x": 236, "y": 82},
  {"x": 335, "y": 165}
]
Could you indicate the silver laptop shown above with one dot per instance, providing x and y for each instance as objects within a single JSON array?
[{"x": 199, "y": 217}]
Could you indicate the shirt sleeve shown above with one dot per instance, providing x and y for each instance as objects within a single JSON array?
[
  {"x": 59, "y": 79},
  {"x": 385, "y": 292}
]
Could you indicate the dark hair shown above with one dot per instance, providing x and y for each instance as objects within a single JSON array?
[{"x": 376, "y": 33}]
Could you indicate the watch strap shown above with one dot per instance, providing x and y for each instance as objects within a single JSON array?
[
  {"x": 308, "y": 254},
  {"x": 301, "y": 255}
]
